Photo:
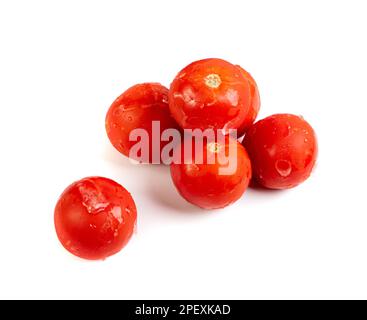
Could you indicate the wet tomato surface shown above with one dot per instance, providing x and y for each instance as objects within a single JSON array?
[
  {"x": 213, "y": 93},
  {"x": 254, "y": 103},
  {"x": 95, "y": 218},
  {"x": 283, "y": 150},
  {"x": 215, "y": 183},
  {"x": 137, "y": 108}
]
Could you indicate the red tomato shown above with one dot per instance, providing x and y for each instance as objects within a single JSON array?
[
  {"x": 213, "y": 93},
  {"x": 136, "y": 108},
  {"x": 255, "y": 103},
  {"x": 95, "y": 218},
  {"x": 283, "y": 150},
  {"x": 204, "y": 183}
]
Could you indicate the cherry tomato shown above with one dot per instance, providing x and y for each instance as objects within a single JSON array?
[
  {"x": 255, "y": 103},
  {"x": 137, "y": 108},
  {"x": 213, "y": 93},
  {"x": 95, "y": 218},
  {"x": 283, "y": 150},
  {"x": 216, "y": 183}
]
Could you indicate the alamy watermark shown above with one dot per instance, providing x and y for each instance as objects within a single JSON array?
[{"x": 191, "y": 146}]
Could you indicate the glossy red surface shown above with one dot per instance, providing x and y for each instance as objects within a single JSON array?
[
  {"x": 213, "y": 93},
  {"x": 204, "y": 185},
  {"x": 95, "y": 218},
  {"x": 254, "y": 104},
  {"x": 136, "y": 108},
  {"x": 283, "y": 150}
]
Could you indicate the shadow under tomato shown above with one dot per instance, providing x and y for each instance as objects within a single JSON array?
[
  {"x": 163, "y": 191},
  {"x": 254, "y": 185}
]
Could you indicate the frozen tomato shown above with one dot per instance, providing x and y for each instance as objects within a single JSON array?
[
  {"x": 213, "y": 93},
  {"x": 137, "y": 108},
  {"x": 214, "y": 176},
  {"x": 95, "y": 218},
  {"x": 283, "y": 150}
]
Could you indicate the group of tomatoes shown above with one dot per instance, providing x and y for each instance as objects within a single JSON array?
[{"x": 95, "y": 217}]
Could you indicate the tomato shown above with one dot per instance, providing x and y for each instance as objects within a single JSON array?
[
  {"x": 255, "y": 102},
  {"x": 283, "y": 150},
  {"x": 213, "y": 93},
  {"x": 137, "y": 108},
  {"x": 95, "y": 218},
  {"x": 215, "y": 184}
]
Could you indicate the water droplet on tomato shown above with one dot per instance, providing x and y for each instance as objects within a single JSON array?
[
  {"x": 128, "y": 210},
  {"x": 283, "y": 167},
  {"x": 116, "y": 212},
  {"x": 119, "y": 111},
  {"x": 165, "y": 99},
  {"x": 272, "y": 150},
  {"x": 92, "y": 199}
]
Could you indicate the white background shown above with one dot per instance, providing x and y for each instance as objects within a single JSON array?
[{"x": 62, "y": 63}]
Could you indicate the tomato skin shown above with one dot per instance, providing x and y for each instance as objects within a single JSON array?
[
  {"x": 204, "y": 186},
  {"x": 213, "y": 93},
  {"x": 136, "y": 108},
  {"x": 254, "y": 105},
  {"x": 94, "y": 218},
  {"x": 283, "y": 150}
]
